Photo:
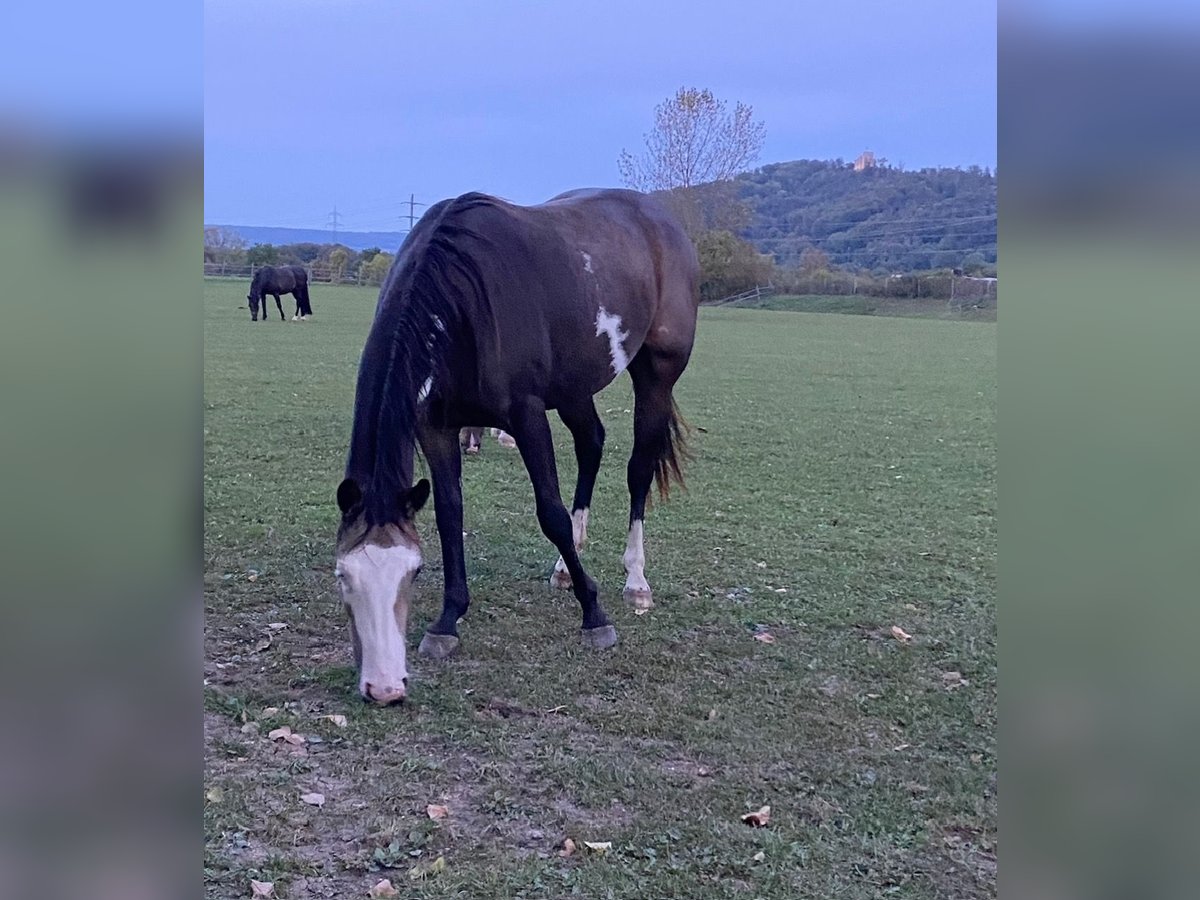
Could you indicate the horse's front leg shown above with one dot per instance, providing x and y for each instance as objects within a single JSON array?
[{"x": 445, "y": 465}]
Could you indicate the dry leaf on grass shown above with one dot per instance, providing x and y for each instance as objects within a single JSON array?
[
  {"x": 383, "y": 888},
  {"x": 313, "y": 799},
  {"x": 215, "y": 795},
  {"x": 598, "y": 846},
  {"x": 640, "y": 612},
  {"x": 269, "y": 711},
  {"x": 262, "y": 645},
  {"x": 437, "y": 812},
  {"x": 262, "y": 888},
  {"x": 900, "y": 634},
  {"x": 765, "y": 636},
  {"x": 285, "y": 734},
  {"x": 759, "y": 856},
  {"x": 338, "y": 720},
  {"x": 954, "y": 679},
  {"x": 760, "y": 818},
  {"x": 277, "y": 626},
  {"x": 568, "y": 848},
  {"x": 712, "y": 715}
]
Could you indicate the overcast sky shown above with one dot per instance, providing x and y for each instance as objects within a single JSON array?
[{"x": 359, "y": 103}]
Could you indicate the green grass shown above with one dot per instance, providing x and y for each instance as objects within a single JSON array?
[
  {"x": 843, "y": 483},
  {"x": 863, "y": 305}
]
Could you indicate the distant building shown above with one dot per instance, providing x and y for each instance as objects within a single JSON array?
[{"x": 865, "y": 161}]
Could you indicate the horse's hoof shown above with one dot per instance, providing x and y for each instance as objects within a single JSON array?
[
  {"x": 560, "y": 580},
  {"x": 598, "y": 638},
  {"x": 438, "y": 646},
  {"x": 638, "y": 598}
]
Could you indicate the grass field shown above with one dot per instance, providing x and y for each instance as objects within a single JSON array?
[
  {"x": 843, "y": 484},
  {"x": 863, "y": 305}
]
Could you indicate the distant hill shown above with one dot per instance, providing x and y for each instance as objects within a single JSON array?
[
  {"x": 879, "y": 219},
  {"x": 388, "y": 241}
]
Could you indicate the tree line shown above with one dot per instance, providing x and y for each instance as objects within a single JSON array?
[
  {"x": 806, "y": 226},
  {"x": 224, "y": 246}
]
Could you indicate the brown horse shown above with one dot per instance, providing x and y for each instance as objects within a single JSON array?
[
  {"x": 271, "y": 281},
  {"x": 493, "y": 314}
]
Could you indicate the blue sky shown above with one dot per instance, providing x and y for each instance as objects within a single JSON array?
[{"x": 312, "y": 103}]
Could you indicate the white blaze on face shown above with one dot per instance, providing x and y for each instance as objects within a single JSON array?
[
  {"x": 635, "y": 560},
  {"x": 375, "y": 583},
  {"x": 610, "y": 325},
  {"x": 579, "y": 521}
]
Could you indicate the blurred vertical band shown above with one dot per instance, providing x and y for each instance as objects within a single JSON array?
[
  {"x": 100, "y": 347},
  {"x": 1099, "y": 167}
]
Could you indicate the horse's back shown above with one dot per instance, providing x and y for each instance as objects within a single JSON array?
[{"x": 589, "y": 277}]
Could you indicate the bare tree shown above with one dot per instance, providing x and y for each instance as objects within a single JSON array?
[
  {"x": 694, "y": 151},
  {"x": 222, "y": 244}
]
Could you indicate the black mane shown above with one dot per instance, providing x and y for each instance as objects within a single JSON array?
[{"x": 422, "y": 310}]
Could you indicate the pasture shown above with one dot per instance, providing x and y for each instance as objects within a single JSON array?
[{"x": 843, "y": 483}]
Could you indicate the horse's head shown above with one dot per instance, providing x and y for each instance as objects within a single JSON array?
[
  {"x": 376, "y": 567},
  {"x": 253, "y": 301}
]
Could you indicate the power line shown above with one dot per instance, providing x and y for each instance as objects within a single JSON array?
[
  {"x": 333, "y": 220},
  {"x": 412, "y": 204}
]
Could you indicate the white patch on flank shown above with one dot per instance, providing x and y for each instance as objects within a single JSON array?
[
  {"x": 579, "y": 520},
  {"x": 611, "y": 325},
  {"x": 371, "y": 579},
  {"x": 635, "y": 560},
  {"x": 587, "y": 261},
  {"x": 425, "y": 389}
]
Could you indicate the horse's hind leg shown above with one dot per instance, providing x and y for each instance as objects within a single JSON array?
[
  {"x": 536, "y": 447},
  {"x": 279, "y": 303},
  {"x": 445, "y": 465},
  {"x": 654, "y": 374},
  {"x": 588, "y": 433}
]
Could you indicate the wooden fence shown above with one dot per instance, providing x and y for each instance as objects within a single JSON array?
[
  {"x": 755, "y": 293},
  {"x": 316, "y": 274}
]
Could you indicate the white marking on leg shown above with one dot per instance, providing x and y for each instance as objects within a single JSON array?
[
  {"x": 579, "y": 522},
  {"x": 506, "y": 440},
  {"x": 635, "y": 561},
  {"x": 587, "y": 261},
  {"x": 610, "y": 325}
]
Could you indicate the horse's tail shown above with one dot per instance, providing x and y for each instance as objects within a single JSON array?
[{"x": 668, "y": 469}]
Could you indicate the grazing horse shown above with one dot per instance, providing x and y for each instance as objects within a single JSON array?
[
  {"x": 491, "y": 315},
  {"x": 276, "y": 280}
]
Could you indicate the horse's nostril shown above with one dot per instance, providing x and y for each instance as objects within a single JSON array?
[{"x": 383, "y": 696}]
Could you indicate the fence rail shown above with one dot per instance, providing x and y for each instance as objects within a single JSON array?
[
  {"x": 755, "y": 293},
  {"x": 316, "y": 274}
]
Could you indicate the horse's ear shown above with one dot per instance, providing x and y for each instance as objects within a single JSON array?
[
  {"x": 349, "y": 495},
  {"x": 415, "y": 498}
]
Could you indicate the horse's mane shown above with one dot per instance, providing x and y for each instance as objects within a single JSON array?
[{"x": 423, "y": 307}]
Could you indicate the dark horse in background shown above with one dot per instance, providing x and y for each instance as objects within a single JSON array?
[
  {"x": 491, "y": 315},
  {"x": 276, "y": 280}
]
